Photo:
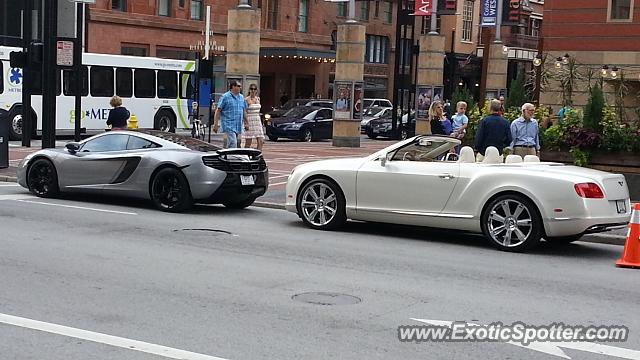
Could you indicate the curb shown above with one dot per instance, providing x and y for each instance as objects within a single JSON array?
[{"x": 606, "y": 239}]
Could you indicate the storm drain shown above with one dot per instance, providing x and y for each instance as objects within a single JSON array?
[
  {"x": 205, "y": 230},
  {"x": 326, "y": 298}
]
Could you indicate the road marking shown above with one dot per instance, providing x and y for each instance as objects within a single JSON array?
[
  {"x": 16, "y": 197},
  {"x": 124, "y": 343},
  {"x": 78, "y": 207},
  {"x": 278, "y": 176},
  {"x": 554, "y": 348},
  {"x": 280, "y": 183},
  {"x": 7, "y": 184}
]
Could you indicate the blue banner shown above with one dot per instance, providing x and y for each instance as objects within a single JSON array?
[{"x": 489, "y": 13}]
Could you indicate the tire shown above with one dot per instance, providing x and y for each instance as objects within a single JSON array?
[
  {"x": 170, "y": 191},
  {"x": 42, "y": 179},
  {"x": 403, "y": 134},
  {"x": 307, "y": 135},
  {"x": 314, "y": 212},
  {"x": 272, "y": 138},
  {"x": 564, "y": 239},
  {"x": 164, "y": 121},
  {"x": 526, "y": 225},
  {"x": 241, "y": 204},
  {"x": 371, "y": 136}
]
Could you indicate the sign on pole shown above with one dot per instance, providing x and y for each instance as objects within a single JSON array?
[
  {"x": 64, "y": 53},
  {"x": 423, "y": 8},
  {"x": 489, "y": 13}
]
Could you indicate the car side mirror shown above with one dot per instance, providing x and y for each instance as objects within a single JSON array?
[{"x": 72, "y": 147}]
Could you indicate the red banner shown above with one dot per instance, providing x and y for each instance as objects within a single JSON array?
[{"x": 423, "y": 8}]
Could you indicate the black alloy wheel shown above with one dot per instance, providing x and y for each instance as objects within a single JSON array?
[
  {"x": 42, "y": 179},
  {"x": 170, "y": 191}
]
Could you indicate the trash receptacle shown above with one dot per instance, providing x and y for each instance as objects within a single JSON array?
[{"x": 4, "y": 139}]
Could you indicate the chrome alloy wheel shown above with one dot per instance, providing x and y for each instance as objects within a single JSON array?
[
  {"x": 16, "y": 124},
  {"x": 319, "y": 204},
  {"x": 510, "y": 223}
]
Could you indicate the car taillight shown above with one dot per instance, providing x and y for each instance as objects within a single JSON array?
[{"x": 589, "y": 190}]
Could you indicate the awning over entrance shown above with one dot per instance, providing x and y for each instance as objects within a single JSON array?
[{"x": 297, "y": 53}]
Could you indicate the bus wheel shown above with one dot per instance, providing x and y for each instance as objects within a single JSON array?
[
  {"x": 15, "y": 124},
  {"x": 164, "y": 121}
]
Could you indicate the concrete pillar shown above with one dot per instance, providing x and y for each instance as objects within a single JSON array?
[
  {"x": 430, "y": 74},
  {"x": 350, "y": 52},
  {"x": 497, "y": 67},
  {"x": 243, "y": 46}
]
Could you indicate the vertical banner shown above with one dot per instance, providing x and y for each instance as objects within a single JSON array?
[
  {"x": 489, "y": 13},
  {"x": 447, "y": 7},
  {"x": 342, "y": 107},
  {"x": 423, "y": 8},
  {"x": 511, "y": 10},
  {"x": 425, "y": 95},
  {"x": 357, "y": 101}
]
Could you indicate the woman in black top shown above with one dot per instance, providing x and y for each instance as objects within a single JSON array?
[{"x": 119, "y": 115}]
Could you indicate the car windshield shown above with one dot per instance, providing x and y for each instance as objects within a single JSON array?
[
  {"x": 300, "y": 111},
  {"x": 293, "y": 103},
  {"x": 374, "y": 110},
  {"x": 188, "y": 142},
  {"x": 425, "y": 149},
  {"x": 367, "y": 103}
]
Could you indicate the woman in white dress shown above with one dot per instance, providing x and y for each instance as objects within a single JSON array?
[{"x": 255, "y": 123}]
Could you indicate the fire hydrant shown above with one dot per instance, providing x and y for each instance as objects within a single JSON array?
[{"x": 132, "y": 124}]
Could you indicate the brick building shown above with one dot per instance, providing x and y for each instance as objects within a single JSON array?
[{"x": 595, "y": 33}]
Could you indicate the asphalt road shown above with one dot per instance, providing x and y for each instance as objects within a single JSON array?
[{"x": 123, "y": 269}]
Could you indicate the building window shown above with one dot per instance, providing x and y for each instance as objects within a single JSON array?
[
  {"x": 120, "y": 5},
  {"x": 342, "y": 8},
  {"x": 387, "y": 11},
  {"x": 426, "y": 24},
  {"x": 164, "y": 7},
  {"x": 272, "y": 14},
  {"x": 196, "y": 9},
  {"x": 534, "y": 27},
  {"x": 620, "y": 9},
  {"x": 303, "y": 16},
  {"x": 134, "y": 50},
  {"x": 364, "y": 10},
  {"x": 467, "y": 20},
  {"x": 377, "y": 49}
]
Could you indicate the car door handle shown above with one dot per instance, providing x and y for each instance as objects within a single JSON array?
[{"x": 446, "y": 176}]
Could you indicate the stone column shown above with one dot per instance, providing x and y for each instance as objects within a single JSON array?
[
  {"x": 243, "y": 45},
  {"x": 350, "y": 52},
  {"x": 497, "y": 67},
  {"x": 430, "y": 72}
]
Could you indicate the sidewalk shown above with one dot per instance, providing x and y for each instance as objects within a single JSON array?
[{"x": 281, "y": 157}]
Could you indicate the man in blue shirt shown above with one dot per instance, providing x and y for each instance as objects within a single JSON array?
[
  {"x": 524, "y": 133},
  {"x": 231, "y": 113},
  {"x": 493, "y": 130}
]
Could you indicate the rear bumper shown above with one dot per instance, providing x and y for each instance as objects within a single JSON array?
[
  {"x": 232, "y": 190},
  {"x": 566, "y": 227},
  {"x": 289, "y": 134}
]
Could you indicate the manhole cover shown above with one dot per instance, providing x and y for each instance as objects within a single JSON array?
[
  {"x": 326, "y": 298},
  {"x": 205, "y": 230}
]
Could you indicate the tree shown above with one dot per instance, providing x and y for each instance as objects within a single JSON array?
[
  {"x": 593, "y": 110},
  {"x": 517, "y": 93}
]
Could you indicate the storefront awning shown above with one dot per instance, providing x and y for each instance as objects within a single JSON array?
[{"x": 297, "y": 53}]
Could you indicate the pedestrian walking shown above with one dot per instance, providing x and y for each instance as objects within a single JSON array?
[
  {"x": 493, "y": 130},
  {"x": 231, "y": 114},
  {"x": 502, "y": 106},
  {"x": 255, "y": 123},
  {"x": 440, "y": 125},
  {"x": 524, "y": 133},
  {"x": 119, "y": 115}
]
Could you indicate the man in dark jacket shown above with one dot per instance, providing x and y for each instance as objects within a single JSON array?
[{"x": 493, "y": 130}]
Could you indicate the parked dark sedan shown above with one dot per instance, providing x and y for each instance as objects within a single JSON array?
[
  {"x": 281, "y": 111},
  {"x": 382, "y": 127},
  {"x": 304, "y": 123}
]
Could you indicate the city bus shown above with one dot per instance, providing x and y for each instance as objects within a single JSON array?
[{"x": 159, "y": 92}]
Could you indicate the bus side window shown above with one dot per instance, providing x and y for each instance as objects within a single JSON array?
[
  {"x": 101, "y": 81},
  {"x": 145, "y": 83},
  {"x": 167, "y": 84},
  {"x": 1, "y": 77},
  {"x": 186, "y": 85},
  {"x": 124, "y": 82},
  {"x": 68, "y": 82}
]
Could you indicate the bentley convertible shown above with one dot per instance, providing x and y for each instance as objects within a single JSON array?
[
  {"x": 171, "y": 170},
  {"x": 513, "y": 202}
]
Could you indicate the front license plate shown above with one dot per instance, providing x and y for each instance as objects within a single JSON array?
[
  {"x": 247, "y": 180},
  {"x": 621, "y": 206}
]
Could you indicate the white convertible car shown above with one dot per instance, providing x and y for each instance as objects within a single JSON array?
[{"x": 513, "y": 203}]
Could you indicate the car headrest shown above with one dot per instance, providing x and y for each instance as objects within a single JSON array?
[
  {"x": 531, "y": 158},
  {"x": 492, "y": 156},
  {"x": 467, "y": 155},
  {"x": 511, "y": 159}
]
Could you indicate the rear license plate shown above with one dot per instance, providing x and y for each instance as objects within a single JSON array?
[
  {"x": 621, "y": 206},
  {"x": 247, "y": 180}
]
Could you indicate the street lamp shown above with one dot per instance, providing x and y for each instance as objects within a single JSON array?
[
  {"x": 604, "y": 71},
  {"x": 614, "y": 72},
  {"x": 537, "y": 61}
]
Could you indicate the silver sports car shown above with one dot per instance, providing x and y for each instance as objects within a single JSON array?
[{"x": 171, "y": 170}]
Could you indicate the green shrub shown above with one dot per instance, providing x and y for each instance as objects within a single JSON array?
[
  {"x": 593, "y": 111},
  {"x": 552, "y": 138},
  {"x": 517, "y": 93}
]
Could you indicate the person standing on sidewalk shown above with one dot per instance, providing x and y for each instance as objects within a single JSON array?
[
  {"x": 119, "y": 115},
  {"x": 231, "y": 114},
  {"x": 524, "y": 133},
  {"x": 493, "y": 130},
  {"x": 255, "y": 123}
]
